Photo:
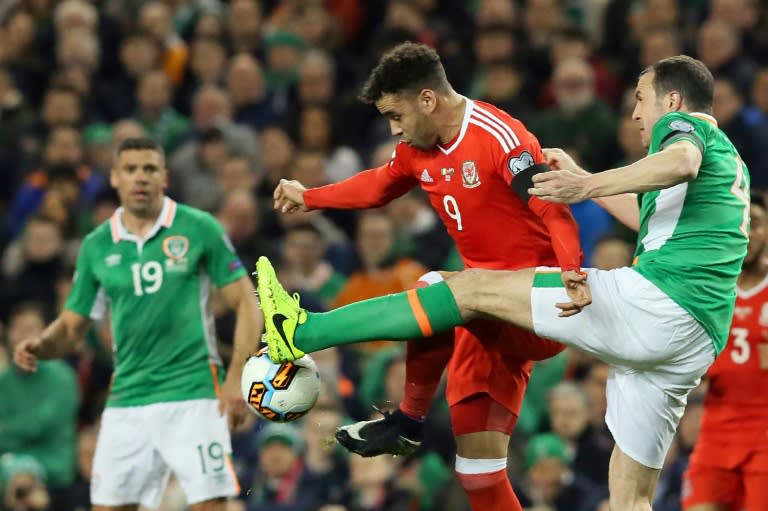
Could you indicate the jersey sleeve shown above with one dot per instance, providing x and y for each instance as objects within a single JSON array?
[
  {"x": 673, "y": 127},
  {"x": 86, "y": 297},
  {"x": 518, "y": 167},
  {"x": 220, "y": 260},
  {"x": 370, "y": 188}
]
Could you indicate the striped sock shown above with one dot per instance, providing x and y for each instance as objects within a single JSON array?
[{"x": 402, "y": 316}]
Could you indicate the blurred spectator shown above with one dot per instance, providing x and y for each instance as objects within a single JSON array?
[
  {"x": 31, "y": 264},
  {"x": 139, "y": 53},
  {"x": 657, "y": 44},
  {"x": 284, "y": 50},
  {"x": 61, "y": 107},
  {"x": 629, "y": 142},
  {"x": 155, "y": 20},
  {"x": 207, "y": 66},
  {"x": 373, "y": 485},
  {"x": 746, "y": 126},
  {"x": 611, "y": 252},
  {"x": 278, "y": 152},
  {"x": 53, "y": 390},
  {"x": 99, "y": 147},
  {"x": 155, "y": 113},
  {"x": 503, "y": 86},
  {"x": 569, "y": 418},
  {"x": 504, "y": 12},
  {"x": 760, "y": 90},
  {"x": 244, "y": 27},
  {"x": 549, "y": 481},
  {"x": 421, "y": 235},
  {"x": 326, "y": 471},
  {"x": 22, "y": 55},
  {"x": 214, "y": 136},
  {"x": 378, "y": 273},
  {"x": 574, "y": 44},
  {"x": 316, "y": 132},
  {"x": 239, "y": 215},
  {"x": 541, "y": 20},
  {"x": 303, "y": 266},
  {"x": 248, "y": 90},
  {"x": 577, "y": 107},
  {"x": 16, "y": 116},
  {"x": 62, "y": 165},
  {"x": 718, "y": 45},
  {"x": 22, "y": 484}
]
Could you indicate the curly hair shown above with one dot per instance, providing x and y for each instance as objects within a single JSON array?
[{"x": 407, "y": 67}]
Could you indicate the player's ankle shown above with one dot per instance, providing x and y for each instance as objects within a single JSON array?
[{"x": 412, "y": 425}]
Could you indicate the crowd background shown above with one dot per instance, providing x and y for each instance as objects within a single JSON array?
[{"x": 243, "y": 93}]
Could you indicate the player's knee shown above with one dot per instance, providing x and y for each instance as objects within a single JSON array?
[{"x": 474, "y": 474}]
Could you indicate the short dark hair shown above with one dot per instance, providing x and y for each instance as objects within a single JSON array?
[
  {"x": 407, "y": 67},
  {"x": 686, "y": 75},
  {"x": 139, "y": 144}
]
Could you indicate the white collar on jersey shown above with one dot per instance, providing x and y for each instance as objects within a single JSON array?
[
  {"x": 464, "y": 123},
  {"x": 704, "y": 117},
  {"x": 164, "y": 219}
]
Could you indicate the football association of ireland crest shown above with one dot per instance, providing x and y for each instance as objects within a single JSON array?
[
  {"x": 469, "y": 176},
  {"x": 176, "y": 248}
]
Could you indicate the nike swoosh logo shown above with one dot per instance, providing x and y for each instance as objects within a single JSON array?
[{"x": 277, "y": 321}]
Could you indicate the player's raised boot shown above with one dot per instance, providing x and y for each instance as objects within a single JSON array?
[
  {"x": 282, "y": 314},
  {"x": 395, "y": 434}
]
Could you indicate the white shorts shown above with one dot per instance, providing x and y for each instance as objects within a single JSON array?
[
  {"x": 657, "y": 350},
  {"x": 140, "y": 446}
]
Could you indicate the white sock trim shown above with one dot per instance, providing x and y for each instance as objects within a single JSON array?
[
  {"x": 432, "y": 277},
  {"x": 469, "y": 466}
]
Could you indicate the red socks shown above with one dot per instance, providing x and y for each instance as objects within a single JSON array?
[{"x": 425, "y": 362}]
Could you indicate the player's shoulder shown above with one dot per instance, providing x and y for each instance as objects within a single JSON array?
[
  {"x": 101, "y": 234},
  {"x": 680, "y": 122},
  {"x": 499, "y": 127}
]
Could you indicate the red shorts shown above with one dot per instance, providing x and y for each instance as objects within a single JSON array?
[
  {"x": 479, "y": 413},
  {"x": 494, "y": 358},
  {"x": 735, "y": 475}
]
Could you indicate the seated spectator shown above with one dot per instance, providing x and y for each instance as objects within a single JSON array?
[
  {"x": 156, "y": 114},
  {"x": 303, "y": 266},
  {"x": 569, "y": 418},
  {"x": 746, "y": 126},
  {"x": 22, "y": 484},
  {"x": 549, "y": 480},
  {"x": 577, "y": 106},
  {"x": 26, "y": 429},
  {"x": 421, "y": 234}
]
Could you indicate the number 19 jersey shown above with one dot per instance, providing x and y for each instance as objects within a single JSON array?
[{"x": 157, "y": 291}]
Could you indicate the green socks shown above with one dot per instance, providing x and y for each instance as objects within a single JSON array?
[{"x": 400, "y": 317}]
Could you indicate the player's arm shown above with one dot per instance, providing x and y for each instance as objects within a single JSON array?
[
  {"x": 63, "y": 336},
  {"x": 370, "y": 188},
  {"x": 239, "y": 296},
  {"x": 677, "y": 163},
  {"x": 623, "y": 207},
  {"x": 521, "y": 165}
]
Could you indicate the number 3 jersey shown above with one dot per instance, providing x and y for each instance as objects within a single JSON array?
[
  {"x": 469, "y": 184},
  {"x": 157, "y": 291},
  {"x": 736, "y": 406}
]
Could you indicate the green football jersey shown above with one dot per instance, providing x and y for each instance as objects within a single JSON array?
[
  {"x": 693, "y": 236},
  {"x": 157, "y": 291}
]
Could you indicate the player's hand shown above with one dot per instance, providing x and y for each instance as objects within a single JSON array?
[
  {"x": 232, "y": 404},
  {"x": 25, "y": 354},
  {"x": 558, "y": 159},
  {"x": 560, "y": 186},
  {"x": 578, "y": 291},
  {"x": 289, "y": 196}
]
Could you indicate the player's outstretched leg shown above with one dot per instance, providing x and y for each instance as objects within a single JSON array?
[
  {"x": 282, "y": 314},
  {"x": 388, "y": 435},
  {"x": 291, "y": 331}
]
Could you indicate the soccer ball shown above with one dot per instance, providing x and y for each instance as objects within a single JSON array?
[{"x": 280, "y": 392}]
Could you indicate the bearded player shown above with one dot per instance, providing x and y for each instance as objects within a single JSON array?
[
  {"x": 465, "y": 155},
  {"x": 728, "y": 468}
]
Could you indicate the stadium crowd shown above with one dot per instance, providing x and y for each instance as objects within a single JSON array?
[{"x": 243, "y": 93}]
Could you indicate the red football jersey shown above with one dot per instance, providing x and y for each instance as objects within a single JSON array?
[
  {"x": 468, "y": 182},
  {"x": 736, "y": 406}
]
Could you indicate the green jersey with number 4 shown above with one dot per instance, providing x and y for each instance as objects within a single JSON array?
[
  {"x": 157, "y": 291},
  {"x": 693, "y": 236}
]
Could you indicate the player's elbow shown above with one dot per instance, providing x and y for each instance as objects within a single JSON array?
[{"x": 687, "y": 159}]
